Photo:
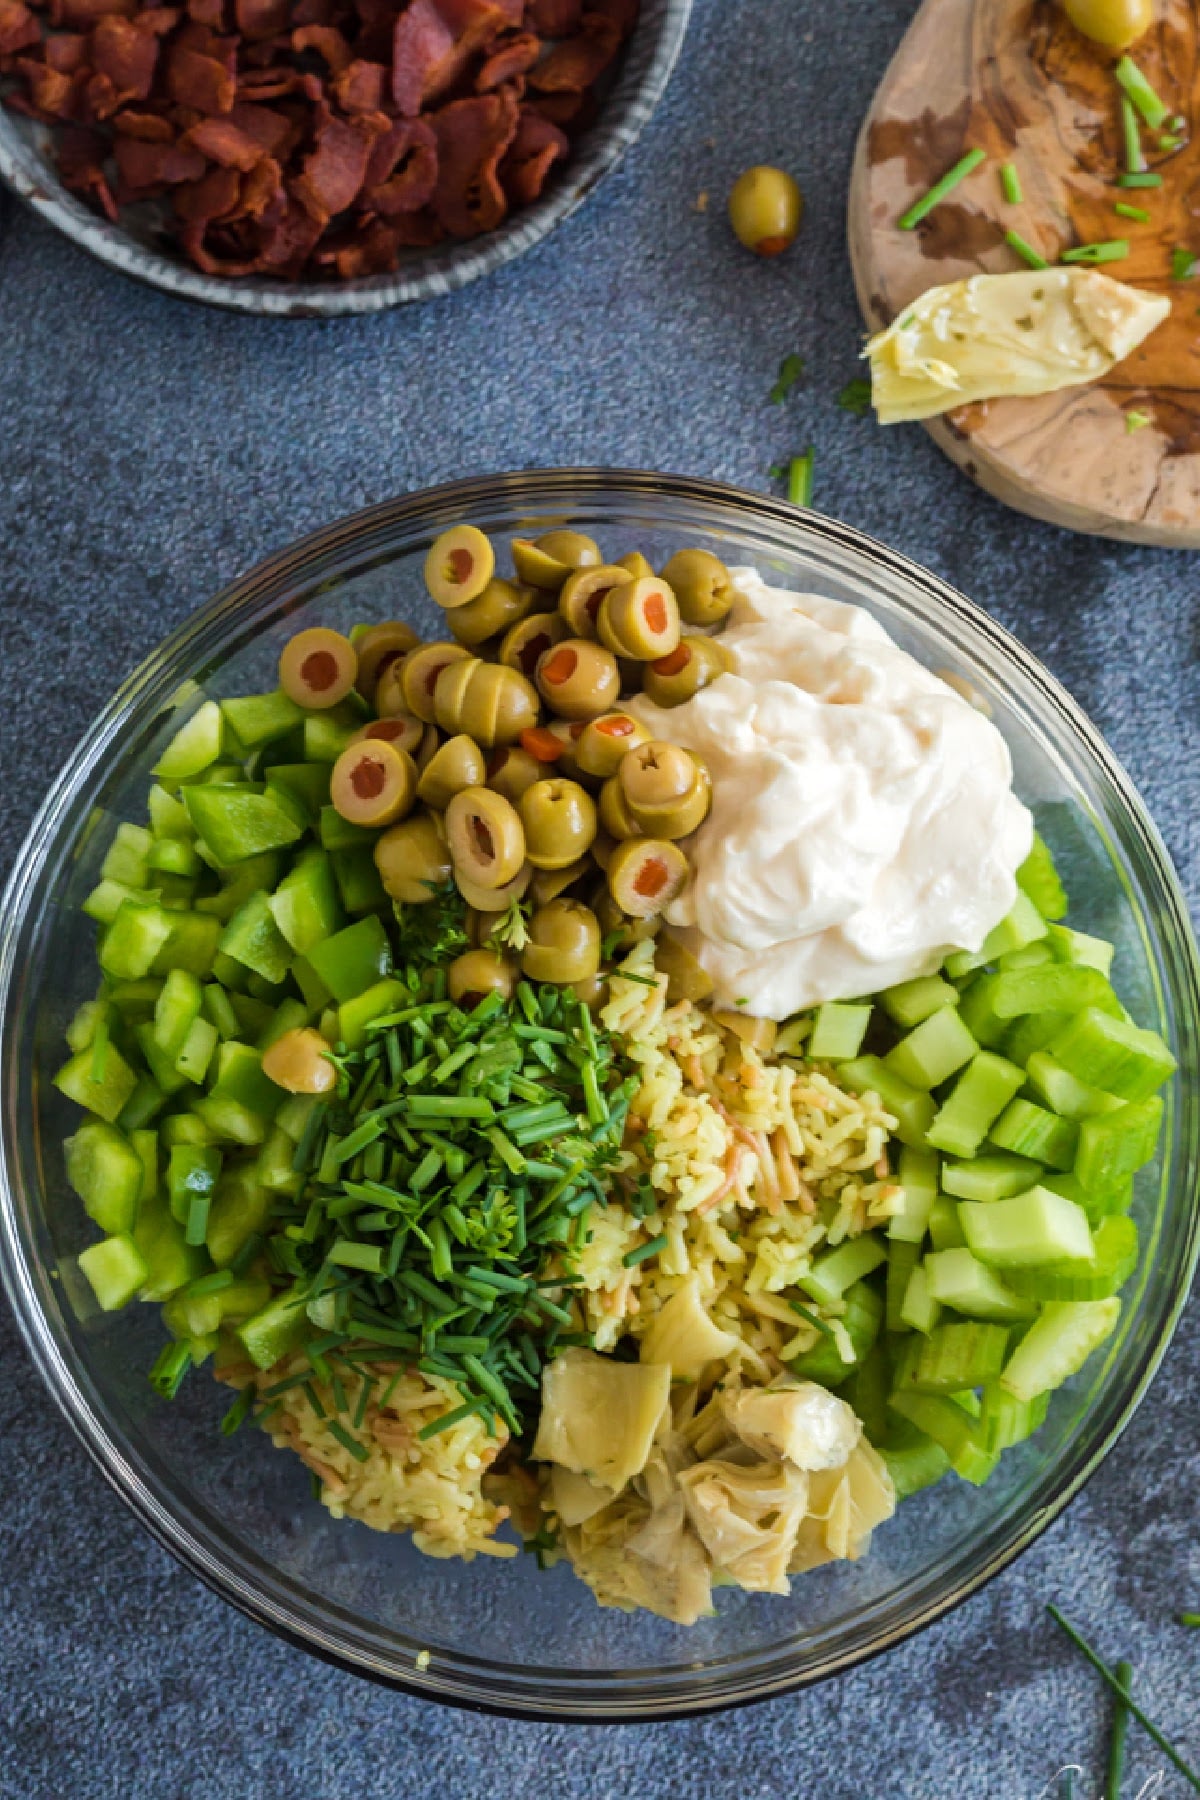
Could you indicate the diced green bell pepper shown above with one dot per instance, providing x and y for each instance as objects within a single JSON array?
[
  {"x": 243, "y": 820},
  {"x": 103, "y": 1093},
  {"x": 192, "y": 1171},
  {"x": 253, "y": 939},
  {"x": 241, "y": 1208},
  {"x": 240, "y": 1077},
  {"x": 275, "y": 1330},
  {"x": 350, "y": 960},
  {"x": 134, "y": 939},
  {"x": 191, "y": 944},
  {"x": 305, "y": 905},
  {"x": 171, "y": 1262},
  {"x": 115, "y": 1271},
  {"x": 195, "y": 746},
  {"x": 178, "y": 1005},
  {"x": 307, "y": 784},
  {"x": 106, "y": 1172},
  {"x": 358, "y": 880},
  {"x": 258, "y": 719}
]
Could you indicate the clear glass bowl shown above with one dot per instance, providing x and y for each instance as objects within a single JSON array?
[{"x": 505, "y": 1635}]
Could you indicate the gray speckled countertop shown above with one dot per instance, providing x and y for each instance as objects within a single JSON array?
[{"x": 148, "y": 452}]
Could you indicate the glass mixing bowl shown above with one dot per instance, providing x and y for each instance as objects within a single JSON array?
[{"x": 506, "y": 1635}]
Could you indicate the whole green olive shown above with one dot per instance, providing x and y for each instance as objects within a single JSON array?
[
  {"x": 419, "y": 675},
  {"x": 525, "y": 643},
  {"x": 564, "y": 943},
  {"x": 635, "y": 563},
  {"x": 615, "y": 815},
  {"x": 1114, "y": 23},
  {"x": 484, "y": 903},
  {"x": 501, "y": 605},
  {"x": 456, "y": 765},
  {"x": 604, "y": 741},
  {"x": 548, "y": 560},
  {"x": 639, "y": 619},
  {"x": 666, "y": 790},
  {"x": 560, "y": 822},
  {"x": 765, "y": 208},
  {"x": 582, "y": 594},
  {"x": 694, "y": 664},
  {"x": 378, "y": 646},
  {"x": 489, "y": 702},
  {"x": 402, "y": 731},
  {"x": 412, "y": 859},
  {"x": 702, "y": 585},
  {"x": 511, "y": 770},
  {"x": 484, "y": 833},
  {"x": 645, "y": 875},
  {"x": 578, "y": 679},
  {"x": 477, "y": 973},
  {"x": 591, "y": 992},
  {"x": 459, "y": 565}
]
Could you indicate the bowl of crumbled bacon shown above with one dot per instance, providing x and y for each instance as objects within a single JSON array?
[{"x": 301, "y": 157}]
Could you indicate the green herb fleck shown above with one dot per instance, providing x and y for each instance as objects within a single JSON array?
[
  {"x": 1025, "y": 251},
  {"x": 920, "y": 208},
  {"x": 1123, "y": 209},
  {"x": 1010, "y": 183},
  {"x": 1136, "y": 421},
  {"x": 1139, "y": 91},
  {"x": 790, "y": 371},
  {"x": 1112, "y": 250},
  {"x": 855, "y": 397},
  {"x": 1183, "y": 264},
  {"x": 800, "y": 479}
]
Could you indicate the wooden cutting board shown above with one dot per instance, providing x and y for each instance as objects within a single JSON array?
[{"x": 1014, "y": 78}]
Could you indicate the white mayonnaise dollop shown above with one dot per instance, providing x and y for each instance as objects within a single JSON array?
[{"x": 863, "y": 820}]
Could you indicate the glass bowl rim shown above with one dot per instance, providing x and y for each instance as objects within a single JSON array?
[{"x": 205, "y": 632}]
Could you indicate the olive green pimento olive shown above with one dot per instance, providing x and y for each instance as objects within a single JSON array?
[
  {"x": 639, "y": 619},
  {"x": 493, "y": 900},
  {"x": 604, "y": 741},
  {"x": 583, "y": 593},
  {"x": 645, "y": 875},
  {"x": 564, "y": 943},
  {"x": 615, "y": 815},
  {"x": 379, "y": 646},
  {"x": 413, "y": 860},
  {"x": 455, "y": 765},
  {"x": 692, "y": 665},
  {"x": 459, "y": 566},
  {"x": 402, "y": 733},
  {"x": 765, "y": 206},
  {"x": 524, "y": 643},
  {"x": 636, "y": 564},
  {"x": 419, "y": 674},
  {"x": 578, "y": 679},
  {"x": 299, "y": 1062},
  {"x": 559, "y": 818},
  {"x": 317, "y": 667},
  {"x": 511, "y": 770},
  {"x": 702, "y": 585},
  {"x": 666, "y": 791},
  {"x": 548, "y": 560},
  {"x": 373, "y": 783},
  {"x": 687, "y": 979},
  {"x": 487, "y": 842},
  {"x": 477, "y": 973},
  {"x": 1114, "y": 23},
  {"x": 388, "y": 698},
  {"x": 501, "y": 604},
  {"x": 568, "y": 732},
  {"x": 492, "y": 704}
]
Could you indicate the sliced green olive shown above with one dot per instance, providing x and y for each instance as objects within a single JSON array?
[
  {"x": 694, "y": 664},
  {"x": 549, "y": 559},
  {"x": 645, "y": 875},
  {"x": 402, "y": 732},
  {"x": 602, "y": 848},
  {"x": 489, "y": 901},
  {"x": 564, "y": 943},
  {"x": 486, "y": 839},
  {"x": 377, "y": 647},
  {"x": 583, "y": 593},
  {"x": 578, "y": 679},
  {"x": 317, "y": 668},
  {"x": 765, "y": 207},
  {"x": 687, "y": 979},
  {"x": 703, "y": 586},
  {"x": 459, "y": 565},
  {"x": 477, "y": 973},
  {"x": 759, "y": 1034},
  {"x": 559, "y": 818},
  {"x": 413, "y": 860},
  {"x": 615, "y": 815},
  {"x": 548, "y": 884},
  {"x": 419, "y": 675},
  {"x": 501, "y": 605},
  {"x": 455, "y": 765},
  {"x": 636, "y": 564},
  {"x": 523, "y": 646},
  {"x": 511, "y": 770},
  {"x": 640, "y": 619},
  {"x": 428, "y": 748},
  {"x": 373, "y": 783},
  {"x": 604, "y": 741},
  {"x": 489, "y": 702}
]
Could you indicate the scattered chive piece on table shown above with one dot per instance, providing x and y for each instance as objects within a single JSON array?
[
  {"x": 800, "y": 479},
  {"x": 1140, "y": 92},
  {"x": 1147, "y": 1725},
  {"x": 1135, "y": 156},
  {"x": 918, "y": 210},
  {"x": 855, "y": 397},
  {"x": 1136, "y": 421},
  {"x": 1114, "y": 250},
  {"x": 1148, "y": 180},
  {"x": 1010, "y": 183},
  {"x": 1192, "y": 1619},
  {"x": 1123, "y": 209},
  {"x": 1120, "y": 1731},
  {"x": 1183, "y": 264},
  {"x": 790, "y": 371},
  {"x": 1169, "y": 142},
  {"x": 1025, "y": 251}
]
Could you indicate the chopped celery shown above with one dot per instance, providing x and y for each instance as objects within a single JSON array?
[
  {"x": 1027, "y": 957},
  {"x": 1063, "y": 1092},
  {"x": 918, "y": 1176},
  {"x": 1110, "y": 1265},
  {"x": 862, "y": 1319},
  {"x": 114, "y": 1269},
  {"x": 1051, "y": 987},
  {"x": 1115, "y": 1145},
  {"x": 902, "y": 1260},
  {"x": 867, "y": 1388},
  {"x": 1029, "y": 1130},
  {"x": 989, "y": 1177},
  {"x": 911, "y": 1002},
  {"x": 912, "y": 1109},
  {"x": 169, "y": 816},
  {"x": 161, "y": 1067},
  {"x": 195, "y": 746},
  {"x": 289, "y": 1015},
  {"x": 218, "y": 1010},
  {"x": 1077, "y": 947},
  {"x": 274, "y": 1166},
  {"x": 1117, "y": 1198},
  {"x": 174, "y": 856},
  {"x": 101, "y": 1092},
  {"x": 1058, "y": 1344},
  {"x": 1032, "y": 1032},
  {"x": 1108, "y": 1053},
  {"x": 838, "y": 1032},
  {"x": 951, "y": 1427},
  {"x": 145, "y": 1147},
  {"x": 107, "y": 1173},
  {"x": 933, "y": 1050},
  {"x": 1030, "y": 1229},
  {"x": 945, "y": 1228},
  {"x": 1038, "y": 878},
  {"x": 959, "y": 1280},
  {"x": 980, "y": 1016},
  {"x": 959, "y": 1354},
  {"x": 146, "y": 1100},
  {"x": 978, "y": 1098},
  {"x": 228, "y": 1121},
  {"x": 834, "y": 1272},
  {"x": 920, "y": 1310},
  {"x": 1005, "y": 1420},
  {"x": 1023, "y": 925},
  {"x": 107, "y": 898},
  {"x": 913, "y": 1461}
]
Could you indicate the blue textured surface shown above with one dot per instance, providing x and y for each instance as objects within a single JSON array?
[{"x": 147, "y": 453}]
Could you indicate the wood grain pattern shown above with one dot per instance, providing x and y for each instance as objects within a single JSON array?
[{"x": 1016, "y": 79}]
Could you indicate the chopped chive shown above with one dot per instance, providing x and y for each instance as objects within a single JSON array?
[
  {"x": 799, "y": 492},
  {"x": 448, "y": 1106},
  {"x": 790, "y": 371},
  {"x": 348, "y": 1254},
  {"x": 446, "y": 1420},
  {"x": 1136, "y": 421},
  {"x": 360, "y": 1409},
  {"x": 918, "y": 210},
  {"x": 339, "y": 1393},
  {"x": 1123, "y": 209},
  {"x": 284, "y": 1387},
  {"x": 1192, "y": 1619},
  {"x": 197, "y": 1220},
  {"x": 358, "y": 1451},
  {"x": 1139, "y": 91},
  {"x": 1114, "y": 250},
  {"x": 1120, "y": 1730},
  {"x": 1135, "y": 156},
  {"x": 416, "y": 1283},
  {"x": 1169, "y": 142},
  {"x": 1025, "y": 251},
  {"x": 314, "y": 1400},
  {"x": 1183, "y": 264},
  {"x": 208, "y": 1284},
  {"x": 855, "y": 397},
  {"x": 1151, "y": 179},
  {"x": 642, "y": 1252},
  {"x": 1010, "y": 183},
  {"x": 1147, "y": 1725}
]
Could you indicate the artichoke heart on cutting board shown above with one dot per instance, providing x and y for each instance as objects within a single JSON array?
[{"x": 995, "y": 336}]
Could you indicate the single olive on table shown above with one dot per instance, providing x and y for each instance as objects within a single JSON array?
[{"x": 765, "y": 209}]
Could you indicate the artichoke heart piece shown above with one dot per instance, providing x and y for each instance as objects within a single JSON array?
[
  {"x": 748, "y": 1518},
  {"x": 844, "y": 1507},
  {"x": 797, "y": 1422},
  {"x": 684, "y": 1337},
  {"x": 995, "y": 336},
  {"x": 599, "y": 1417}
]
